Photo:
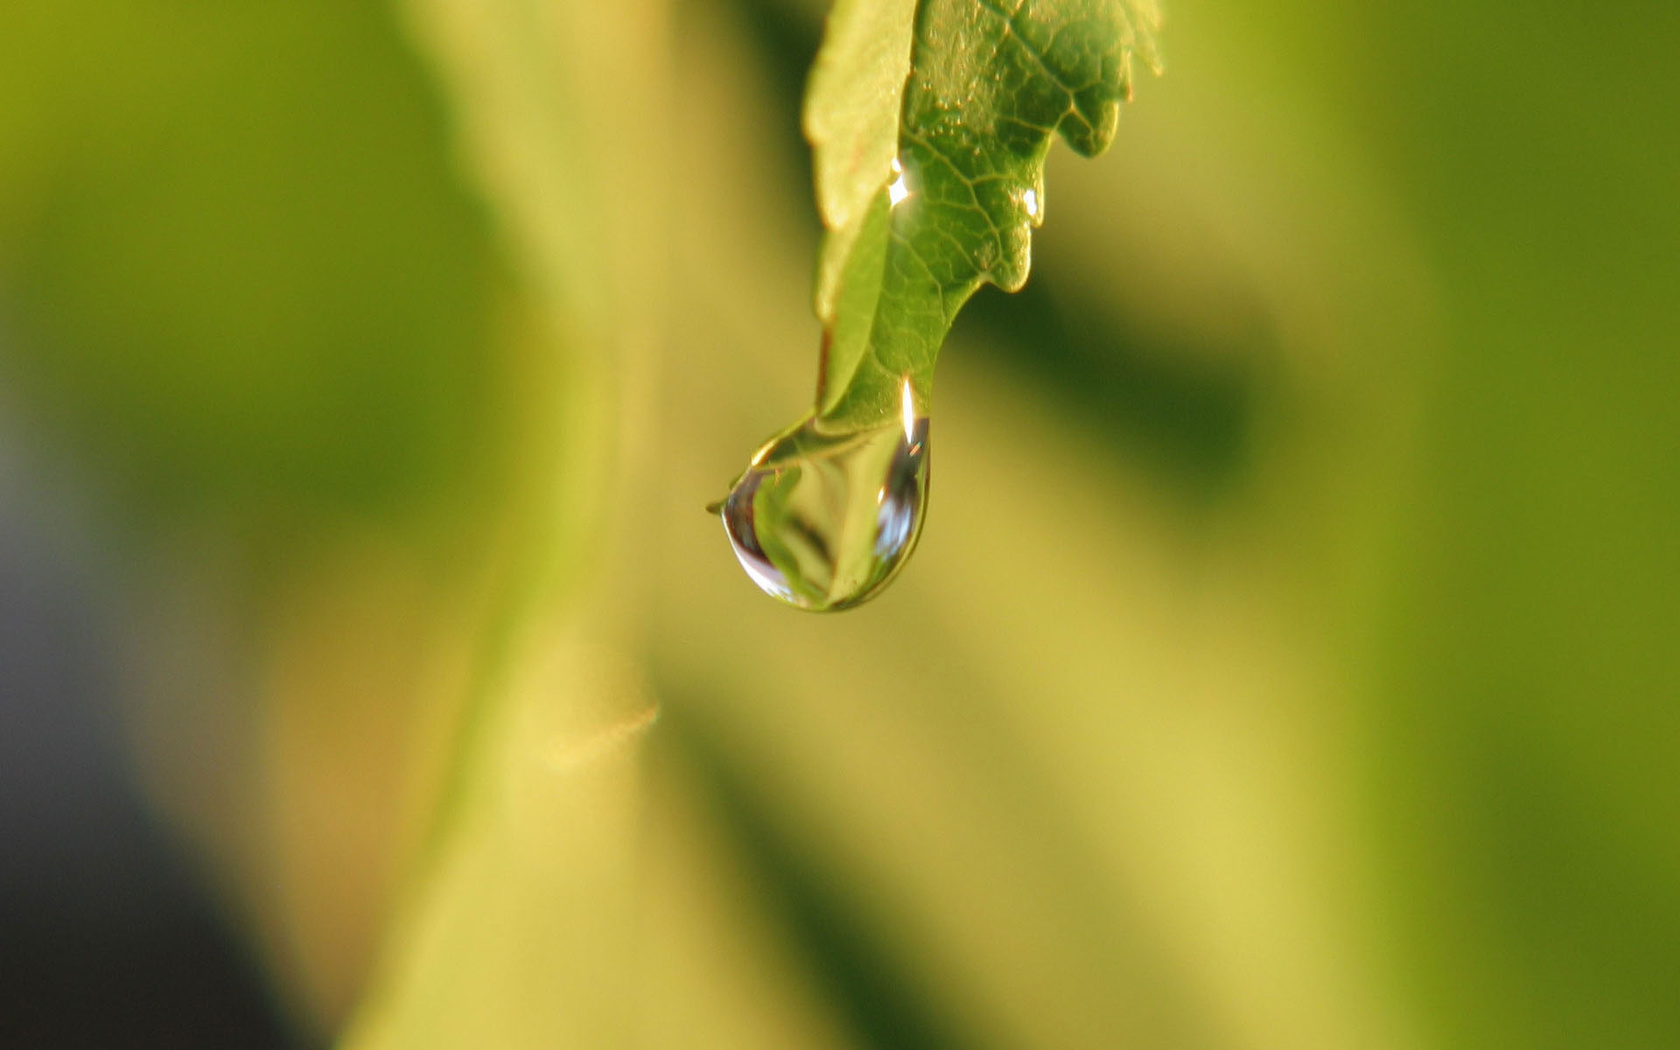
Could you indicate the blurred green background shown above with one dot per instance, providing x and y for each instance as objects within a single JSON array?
[{"x": 1291, "y": 657}]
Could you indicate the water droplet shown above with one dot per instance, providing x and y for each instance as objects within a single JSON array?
[
  {"x": 899, "y": 189},
  {"x": 1029, "y": 201},
  {"x": 824, "y": 520}
]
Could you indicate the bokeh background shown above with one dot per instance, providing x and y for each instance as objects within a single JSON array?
[{"x": 1291, "y": 658}]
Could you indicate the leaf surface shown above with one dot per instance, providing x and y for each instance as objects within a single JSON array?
[{"x": 914, "y": 230}]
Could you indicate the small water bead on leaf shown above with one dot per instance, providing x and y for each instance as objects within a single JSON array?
[
  {"x": 899, "y": 189},
  {"x": 823, "y": 520},
  {"x": 1031, "y": 204}
]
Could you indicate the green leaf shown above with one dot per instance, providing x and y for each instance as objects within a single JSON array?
[
  {"x": 852, "y": 106},
  {"x": 919, "y": 215}
]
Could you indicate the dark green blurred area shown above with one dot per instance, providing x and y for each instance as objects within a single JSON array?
[
  {"x": 1530, "y": 774},
  {"x": 246, "y": 278},
  {"x": 240, "y": 268}
]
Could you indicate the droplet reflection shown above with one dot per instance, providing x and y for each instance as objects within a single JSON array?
[{"x": 824, "y": 520}]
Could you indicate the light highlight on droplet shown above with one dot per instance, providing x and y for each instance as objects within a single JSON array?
[{"x": 898, "y": 189}]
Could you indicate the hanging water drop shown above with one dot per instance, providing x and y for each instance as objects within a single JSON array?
[{"x": 823, "y": 519}]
